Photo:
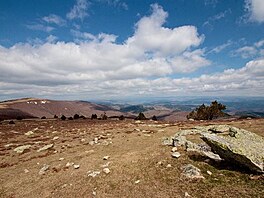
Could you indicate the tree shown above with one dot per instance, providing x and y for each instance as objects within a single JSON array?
[
  {"x": 63, "y": 117},
  {"x": 204, "y": 112},
  {"x": 121, "y": 117},
  {"x": 154, "y": 118},
  {"x": 104, "y": 116},
  {"x": 94, "y": 116},
  {"x": 141, "y": 116},
  {"x": 76, "y": 116}
]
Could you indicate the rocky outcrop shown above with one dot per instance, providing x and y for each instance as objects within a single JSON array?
[
  {"x": 226, "y": 142},
  {"x": 240, "y": 146}
]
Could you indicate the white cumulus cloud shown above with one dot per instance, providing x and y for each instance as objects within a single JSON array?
[{"x": 256, "y": 10}]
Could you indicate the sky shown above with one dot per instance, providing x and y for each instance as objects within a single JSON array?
[{"x": 123, "y": 49}]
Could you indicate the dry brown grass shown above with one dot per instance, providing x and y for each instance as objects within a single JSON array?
[{"x": 133, "y": 156}]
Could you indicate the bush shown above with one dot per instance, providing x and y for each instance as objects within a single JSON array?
[
  {"x": 94, "y": 116},
  {"x": 55, "y": 116},
  {"x": 76, "y": 116},
  {"x": 43, "y": 117},
  {"x": 154, "y": 118},
  {"x": 204, "y": 112},
  {"x": 104, "y": 116},
  {"x": 141, "y": 116},
  {"x": 63, "y": 117},
  {"x": 11, "y": 122},
  {"x": 121, "y": 117},
  {"x": 70, "y": 118}
]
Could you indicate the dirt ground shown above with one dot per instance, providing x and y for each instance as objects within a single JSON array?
[{"x": 137, "y": 161}]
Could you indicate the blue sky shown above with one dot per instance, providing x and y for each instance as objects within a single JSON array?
[{"x": 105, "y": 49}]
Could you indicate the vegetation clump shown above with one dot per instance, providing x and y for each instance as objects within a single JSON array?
[
  {"x": 141, "y": 116},
  {"x": 55, "y": 116},
  {"x": 76, "y": 116},
  {"x": 121, "y": 117},
  {"x": 94, "y": 117},
  {"x": 63, "y": 117},
  {"x": 19, "y": 118},
  {"x": 70, "y": 118},
  {"x": 43, "y": 117},
  {"x": 204, "y": 112},
  {"x": 154, "y": 118},
  {"x": 104, "y": 116}
]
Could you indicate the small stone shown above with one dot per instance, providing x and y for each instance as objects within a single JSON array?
[
  {"x": 176, "y": 154},
  {"x": 174, "y": 149},
  {"x": 43, "y": 169},
  {"x": 94, "y": 193},
  {"x": 209, "y": 172},
  {"x": 45, "y": 147},
  {"x": 91, "y": 143},
  {"x": 76, "y": 166},
  {"x": 83, "y": 140},
  {"x": 106, "y": 170},
  {"x": 29, "y": 133},
  {"x": 61, "y": 159},
  {"x": 169, "y": 166},
  {"x": 93, "y": 174},
  {"x": 192, "y": 172},
  {"x": 26, "y": 171},
  {"x": 55, "y": 138},
  {"x": 136, "y": 182},
  {"x": 186, "y": 194},
  {"x": 69, "y": 164},
  {"x": 21, "y": 149},
  {"x": 106, "y": 157}
]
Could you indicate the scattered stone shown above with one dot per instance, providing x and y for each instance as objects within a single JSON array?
[
  {"x": 26, "y": 171},
  {"x": 137, "y": 182},
  {"x": 209, "y": 172},
  {"x": 174, "y": 149},
  {"x": 44, "y": 148},
  {"x": 76, "y": 166},
  {"x": 22, "y": 149},
  {"x": 167, "y": 141},
  {"x": 93, "y": 174},
  {"x": 176, "y": 154},
  {"x": 137, "y": 130},
  {"x": 106, "y": 170},
  {"x": 138, "y": 122},
  {"x": 43, "y": 169},
  {"x": 106, "y": 157},
  {"x": 191, "y": 119},
  {"x": 186, "y": 194},
  {"x": 89, "y": 152},
  {"x": 91, "y": 143},
  {"x": 69, "y": 164},
  {"x": 83, "y": 140},
  {"x": 94, "y": 193},
  {"x": 192, "y": 172},
  {"x": 61, "y": 159},
  {"x": 8, "y": 145},
  {"x": 241, "y": 146},
  {"x": 55, "y": 138},
  {"x": 29, "y": 133},
  {"x": 169, "y": 166}
]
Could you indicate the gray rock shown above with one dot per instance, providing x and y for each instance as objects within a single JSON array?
[
  {"x": 176, "y": 154},
  {"x": 93, "y": 173},
  {"x": 192, "y": 172},
  {"x": 240, "y": 146},
  {"x": 43, "y": 169},
  {"x": 44, "y": 148},
  {"x": 21, "y": 149},
  {"x": 167, "y": 141},
  {"x": 106, "y": 170}
]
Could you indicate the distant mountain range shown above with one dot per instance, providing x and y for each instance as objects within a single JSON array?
[{"x": 163, "y": 110}]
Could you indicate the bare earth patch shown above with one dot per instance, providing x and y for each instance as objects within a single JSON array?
[{"x": 139, "y": 165}]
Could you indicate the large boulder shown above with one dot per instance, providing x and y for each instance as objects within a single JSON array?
[{"x": 237, "y": 145}]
